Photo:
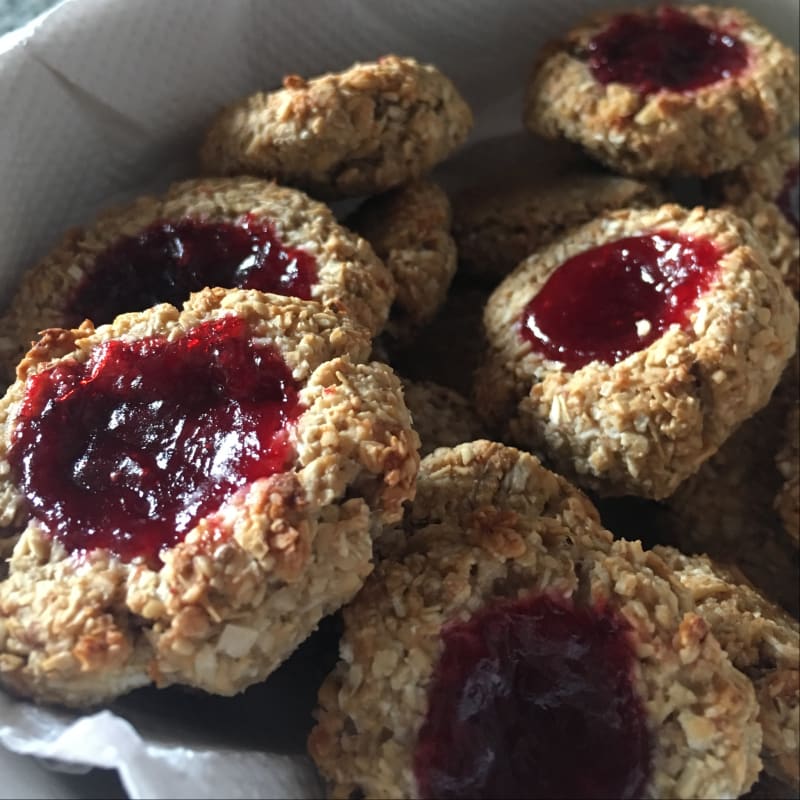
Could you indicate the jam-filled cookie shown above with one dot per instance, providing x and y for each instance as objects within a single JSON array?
[
  {"x": 787, "y": 502},
  {"x": 509, "y": 648},
  {"x": 194, "y": 491},
  {"x": 629, "y": 351},
  {"x": 442, "y": 417},
  {"x": 692, "y": 89},
  {"x": 496, "y": 229},
  {"x": 370, "y": 128},
  {"x": 765, "y": 192},
  {"x": 762, "y": 641},
  {"x": 409, "y": 228},
  {"x": 233, "y": 233}
]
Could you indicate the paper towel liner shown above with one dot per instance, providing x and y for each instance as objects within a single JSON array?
[{"x": 105, "y": 99}]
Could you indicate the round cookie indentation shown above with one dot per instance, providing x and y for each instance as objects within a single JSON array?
[
  {"x": 115, "y": 453},
  {"x": 613, "y": 300},
  {"x": 668, "y": 50},
  {"x": 169, "y": 260},
  {"x": 518, "y": 688}
]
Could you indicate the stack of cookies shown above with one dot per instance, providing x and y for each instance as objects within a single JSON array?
[{"x": 219, "y": 397}]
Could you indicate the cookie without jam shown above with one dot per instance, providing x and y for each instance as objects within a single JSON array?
[
  {"x": 497, "y": 228},
  {"x": 144, "y": 244},
  {"x": 409, "y": 229},
  {"x": 221, "y": 604},
  {"x": 442, "y": 417},
  {"x": 644, "y": 422},
  {"x": 492, "y": 533},
  {"x": 370, "y": 128},
  {"x": 762, "y": 641},
  {"x": 657, "y": 130}
]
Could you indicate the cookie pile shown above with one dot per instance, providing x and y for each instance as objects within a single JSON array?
[{"x": 219, "y": 398}]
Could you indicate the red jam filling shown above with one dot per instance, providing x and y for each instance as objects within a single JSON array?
[
  {"x": 666, "y": 50},
  {"x": 789, "y": 198},
  {"x": 168, "y": 261},
  {"x": 611, "y": 301},
  {"x": 130, "y": 449},
  {"x": 534, "y": 698}
]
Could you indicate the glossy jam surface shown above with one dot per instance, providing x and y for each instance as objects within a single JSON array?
[
  {"x": 616, "y": 299},
  {"x": 130, "y": 449},
  {"x": 168, "y": 261},
  {"x": 666, "y": 50},
  {"x": 789, "y": 198},
  {"x": 534, "y": 698}
]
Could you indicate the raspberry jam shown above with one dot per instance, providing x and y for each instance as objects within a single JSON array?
[
  {"x": 168, "y": 261},
  {"x": 130, "y": 449},
  {"x": 789, "y": 199},
  {"x": 534, "y": 698},
  {"x": 666, "y": 50},
  {"x": 611, "y": 301}
]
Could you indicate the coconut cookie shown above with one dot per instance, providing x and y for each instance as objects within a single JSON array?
[
  {"x": 242, "y": 233},
  {"x": 496, "y": 229},
  {"x": 442, "y": 417},
  {"x": 693, "y": 90},
  {"x": 194, "y": 491},
  {"x": 510, "y": 649},
  {"x": 629, "y": 351},
  {"x": 765, "y": 192},
  {"x": 372, "y": 127},
  {"x": 762, "y": 641},
  {"x": 409, "y": 228}
]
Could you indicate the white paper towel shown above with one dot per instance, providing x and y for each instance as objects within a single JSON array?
[{"x": 104, "y": 99}]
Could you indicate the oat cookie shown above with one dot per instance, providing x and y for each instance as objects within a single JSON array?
[
  {"x": 631, "y": 349},
  {"x": 409, "y": 228},
  {"x": 762, "y": 641},
  {"x": 213, "y": 232},
  {"x": 787, "y": 502},
  {"x": 509, "y": 640},
  {"x": 370, "y": 128},
  {"x": 194, "y": 490},
  {"x": 693, "y": 89},
  {"x": 496, "y": 229},
  {"x": 442, "y": 417}
]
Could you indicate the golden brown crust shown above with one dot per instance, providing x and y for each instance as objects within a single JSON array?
[
  {"x": 496, "y": 229},
  {"x": 409, "y": 228},
  {"x": 347, "y": 269},
  {"x": 441, "y": 416},
  {"x": 489, "y": 522},
  {"x": 762, "y": 641},
  {"x": 648, "y": 422},
  {"x": 252, "y": 579},
  {"x": 708, "y": 130},
  {"x": 362, "y": 131}
]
